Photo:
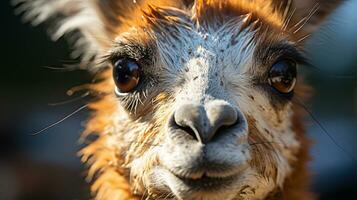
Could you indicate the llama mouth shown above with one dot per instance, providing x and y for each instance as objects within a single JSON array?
[
  {"x": 204, "y": 187},
  {"x": 208, "y": 183},
  {"x": 206, "y": 177},
  {"x": 205, "y": 182}
]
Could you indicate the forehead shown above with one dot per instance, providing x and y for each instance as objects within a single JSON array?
[
  {"x": 167, "y": 16},
  {"x": 180, "y": 34},
  {"x": 228, "y": 44}
]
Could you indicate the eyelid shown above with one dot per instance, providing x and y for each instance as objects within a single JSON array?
[
  {"x": 296, "y": 59},
  {"x": 291, "y": 60},
  {"x": 120, "y": 94},
  {"x": 272, "y": 53},
  {"x": 294, "y": 54},
  {"x": 131, "y": 49},
  {"x": 113, "y": 58}
]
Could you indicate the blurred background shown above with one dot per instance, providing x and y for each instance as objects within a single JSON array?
[{"x": 46, "y": 166}]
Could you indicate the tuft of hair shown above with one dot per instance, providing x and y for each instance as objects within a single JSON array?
[{"x": 88, "y": 24}]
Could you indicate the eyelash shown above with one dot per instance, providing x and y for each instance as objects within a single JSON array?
[{"x": 132, "y": 101}]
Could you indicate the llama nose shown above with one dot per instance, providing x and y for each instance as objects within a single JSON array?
[{"x": 204, "y": 122}]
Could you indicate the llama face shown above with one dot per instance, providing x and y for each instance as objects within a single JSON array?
[
  {"x": 204, "y": 100},
  {"x": 197, "y": 97}
]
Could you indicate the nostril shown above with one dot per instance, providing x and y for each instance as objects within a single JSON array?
[
  {"x": 203, "y": 123},
  {"x": 189, "y": 119},
  {"x": 185, "y": 128}
]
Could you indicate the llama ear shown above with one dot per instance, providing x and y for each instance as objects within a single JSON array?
[{"x": 88, "y": 24}]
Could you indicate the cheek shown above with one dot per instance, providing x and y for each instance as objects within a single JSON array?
[
  {"x": 273, "y": 124},
  {"x": 269, "y": 118},
  {"x": 144, "y": 131},
  {"x": 271, "y": 135}
]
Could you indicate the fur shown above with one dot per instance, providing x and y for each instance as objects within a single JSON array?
[{"x": 204, "y": 52}]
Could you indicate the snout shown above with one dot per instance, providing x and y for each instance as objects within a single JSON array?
[
  {"x": 205, "y": 144},
  {"x": 204, "y": 123}
]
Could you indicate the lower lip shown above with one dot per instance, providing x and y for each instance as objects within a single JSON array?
[{"x": 208, "y": 183}]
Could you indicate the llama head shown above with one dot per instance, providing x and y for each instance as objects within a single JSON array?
[{"x": 198, "y": 96}]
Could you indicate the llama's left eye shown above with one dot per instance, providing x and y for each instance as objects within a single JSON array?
[
  {"x": 282, "y": 76},
  {"x": 126, "y": 74}
]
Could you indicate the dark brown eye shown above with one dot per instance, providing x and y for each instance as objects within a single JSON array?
[
  {"x": 126, "y": 73},
  {"x": 282, "y": 76}
]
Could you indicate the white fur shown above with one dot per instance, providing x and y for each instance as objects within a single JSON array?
[
  {"x": 210, "y": 74},
  {"x": 199, "y": 65}
]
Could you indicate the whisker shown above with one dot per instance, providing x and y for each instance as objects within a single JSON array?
[
  {"x": 287, "y": 8},
  {"x": 304, "y": 20},
  {"x": 329, "y": 135},
  {"x": 303, "y": 38},
  {"x": 76, "y": 89},
  {"x": 288, "y": 20},
  {"x": 65, "y": 68},
  {"x": 71, "y": 100},
  {"x": 288, "y": 16},
  {"x": 60, "y": 121}
]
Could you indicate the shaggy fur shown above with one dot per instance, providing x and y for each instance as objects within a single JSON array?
[{"x": 208, "y": 52}]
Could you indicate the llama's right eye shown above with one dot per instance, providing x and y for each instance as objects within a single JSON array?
[
  {"x": 126, "y": 74},
  {"x": 282, "y": 76}
]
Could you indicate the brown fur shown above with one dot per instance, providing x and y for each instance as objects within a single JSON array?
[
  {"x": 274, "y": 20},
  {"x": 297, "y": 185},
  {"x": 106, "y": 162}
]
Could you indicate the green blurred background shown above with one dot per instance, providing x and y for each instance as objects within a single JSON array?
[{"x": 46, "y": 166}]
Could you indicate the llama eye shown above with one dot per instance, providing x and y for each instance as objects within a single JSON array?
[
  {"x": 282, "y": 76},
  {"x": 126, "y": 73}
]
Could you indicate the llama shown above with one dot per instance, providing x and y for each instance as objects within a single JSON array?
[{"x": 198, "y": 99}]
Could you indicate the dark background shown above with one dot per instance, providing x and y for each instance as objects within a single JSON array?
[{"x": 46, "y": 166}]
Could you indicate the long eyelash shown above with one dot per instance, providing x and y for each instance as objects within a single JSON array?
[
  {"x": 105, "y": 58},
  {"x": 296, "y": 53}
]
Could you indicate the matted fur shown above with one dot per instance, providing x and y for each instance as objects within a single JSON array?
[{"x": 199, "y": 51}]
